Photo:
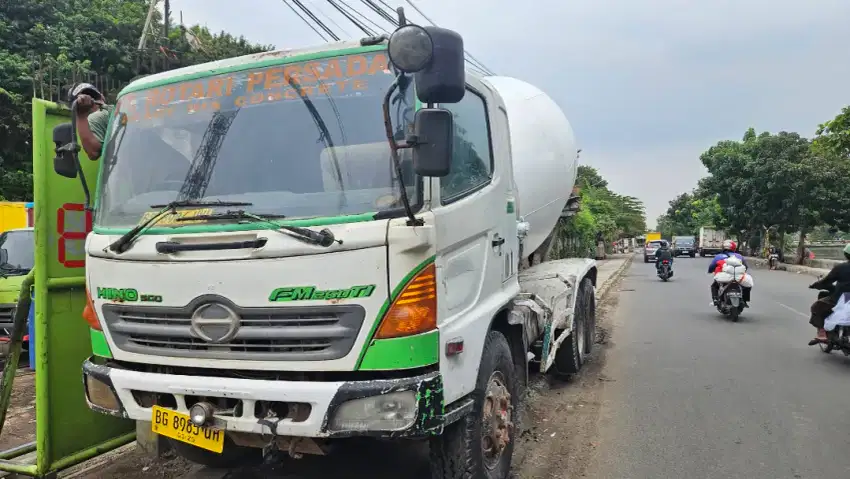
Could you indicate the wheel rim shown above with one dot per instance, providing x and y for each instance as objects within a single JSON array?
[{"x": 497, "y": 420}]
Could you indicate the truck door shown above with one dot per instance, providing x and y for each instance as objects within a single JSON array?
[{"x": 477, "y": 235}]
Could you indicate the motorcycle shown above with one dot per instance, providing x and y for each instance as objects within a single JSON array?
[
  {"x": 730, "y": 300},
  {"x": 773, "y": 260},
  {"x": 838, "y": 338},
  {"x": 664, "y": 271}
]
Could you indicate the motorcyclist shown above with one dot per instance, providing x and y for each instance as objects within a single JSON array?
[
  {"x": 92, "y": 117},
  {"x": 729, "y": 249},
  {"x": 837, "y": 282},
  {"x": 663, "y": 253}
]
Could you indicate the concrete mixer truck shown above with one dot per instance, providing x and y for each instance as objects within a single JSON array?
[{"x": 295, "y": 248}]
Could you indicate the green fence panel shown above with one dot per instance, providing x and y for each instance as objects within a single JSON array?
[{"x": 67, "y": 430}]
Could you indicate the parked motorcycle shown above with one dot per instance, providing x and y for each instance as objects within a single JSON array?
[
  {"x": 838, "y": 338},
  {"x": 730, "y": 300},
  {"x": 665, "y": 270},
  {"x": 773, "y": 260}
]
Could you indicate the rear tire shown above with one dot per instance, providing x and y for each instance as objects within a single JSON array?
[
  {"x": 571, "y": 356},
  {"x": 733, "y": 314},
  {"x": 463, "y": 451},
  {"x": 231, "y": 456}
]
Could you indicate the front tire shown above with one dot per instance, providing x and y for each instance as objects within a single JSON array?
[{"x": 481, "y": 444}]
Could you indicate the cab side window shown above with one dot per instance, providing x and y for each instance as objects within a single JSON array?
[{"x": 472, "y": 159}]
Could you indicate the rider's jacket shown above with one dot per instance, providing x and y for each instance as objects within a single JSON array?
[{"x": 717, "y": 263}]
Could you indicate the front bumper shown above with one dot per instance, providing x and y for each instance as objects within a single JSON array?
[{"x": 323, "y": 397}]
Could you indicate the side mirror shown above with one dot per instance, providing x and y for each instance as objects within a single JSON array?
[
  {"x": 434, "y": 133},
  {"x": 65, "y": 161},
  {"x": 443, "y": 80},
  {"x": 435, "y": 57},
  {"x": 4, "y": 256}
]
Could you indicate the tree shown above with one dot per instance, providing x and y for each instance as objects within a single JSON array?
[
  {"x": 769, "y": 182},
  {"x": 690, "y": 211},
  {"x": 616, "y": 216},
  {"x": 833, "y": 136}
]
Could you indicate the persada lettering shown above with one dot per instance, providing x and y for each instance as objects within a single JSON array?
[{"x": 338, "y": 75}]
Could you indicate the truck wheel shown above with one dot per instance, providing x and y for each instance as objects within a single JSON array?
[
  {"x": 569, "y": 358},
  {"x": 231, "y": 456},
  {"x": 481, "y": 444}
]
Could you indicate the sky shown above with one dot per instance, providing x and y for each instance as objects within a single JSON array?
[{"x": 647, "y": 85}]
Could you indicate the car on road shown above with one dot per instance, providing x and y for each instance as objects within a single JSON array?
[
  {"x": 650, "y": 249},
  {"x": 684, "y": 246}
]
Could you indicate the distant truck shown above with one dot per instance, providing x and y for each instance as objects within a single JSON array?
[
  {"x": 14, "y": 215},
  {"x": 710, "y": 241},
  {"x": 684, "y": 246},
  {"x": 652, "y": 236}
]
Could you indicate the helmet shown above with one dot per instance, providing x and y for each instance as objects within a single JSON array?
[
  {"x": 729, "y": 245},
  {"x": 81, "y": 88}
]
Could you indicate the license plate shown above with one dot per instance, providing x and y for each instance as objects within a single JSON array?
[
  {"x": 177, "y": 426},
  {"x": 734, "y": 295}
]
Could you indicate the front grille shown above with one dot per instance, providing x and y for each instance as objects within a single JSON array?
[{"x": 294, "y": 333}]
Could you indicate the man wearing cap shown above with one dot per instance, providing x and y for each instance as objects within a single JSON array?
[{"x": 92, "y": 117}]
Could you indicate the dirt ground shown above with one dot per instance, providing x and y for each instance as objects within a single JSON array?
[
  {"x": 20, "y": 419},
  {"x": 559, "y": 427}
]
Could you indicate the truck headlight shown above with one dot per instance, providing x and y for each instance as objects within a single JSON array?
[
  {"x": 101, "y": 395},
  {"x": 388, "y": 412}
]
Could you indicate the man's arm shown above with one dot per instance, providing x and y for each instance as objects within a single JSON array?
[
  {"x": 92, "y": 130},
  {"x": 827, "y": 281}
]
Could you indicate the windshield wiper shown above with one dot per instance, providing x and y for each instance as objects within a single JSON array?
[
  {"x": 124, "y": 243},
  {"x": 325, "y": 237}
]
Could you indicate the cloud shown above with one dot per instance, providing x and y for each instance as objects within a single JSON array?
[{"x": 648, "y": 85}]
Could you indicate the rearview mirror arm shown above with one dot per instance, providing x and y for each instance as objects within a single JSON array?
[{"x": 394, "y": 147}]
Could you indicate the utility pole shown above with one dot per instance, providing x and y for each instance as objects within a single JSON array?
[
  {"x": 165, "y": 42},
  {"x": 147, "y": 25}
]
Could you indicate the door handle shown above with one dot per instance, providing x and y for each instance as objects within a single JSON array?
[{"x": 498, "y": 241}]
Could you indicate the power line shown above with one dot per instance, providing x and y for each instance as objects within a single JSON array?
[
  {"x": 305, "y": 21},
  {"x": 353, "y": 20},
  {"x": 364, "y": 17},
  {"x": 471, "y": 58},
  {"x": 330, "y": 19},
  {"x": 313, "y": 17},
  {"x": 380, "y": 11}
]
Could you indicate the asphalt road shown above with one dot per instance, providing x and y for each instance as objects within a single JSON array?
[{"x": 691, "y": 394}]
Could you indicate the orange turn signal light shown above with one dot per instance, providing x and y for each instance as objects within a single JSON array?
[
  {"x": 89, "y": 315},
  {"x": 414, "y": 310}
]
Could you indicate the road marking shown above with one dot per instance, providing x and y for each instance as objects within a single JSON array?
[{"x": 792, "y": 309}]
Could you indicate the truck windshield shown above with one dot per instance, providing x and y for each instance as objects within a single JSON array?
[
  {"x": 298, "y": 140},
  {"x": 20, "y": 248}
]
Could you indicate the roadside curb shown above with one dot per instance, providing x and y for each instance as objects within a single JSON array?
[
  {"x": 602, "y": 291},
  {"x": 761, "y": 263}
]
